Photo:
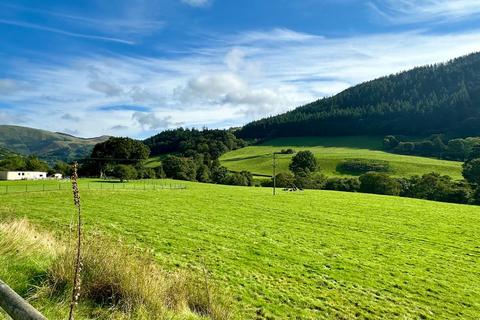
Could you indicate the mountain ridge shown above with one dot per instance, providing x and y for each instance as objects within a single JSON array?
[{"x": 47, "y": 145}]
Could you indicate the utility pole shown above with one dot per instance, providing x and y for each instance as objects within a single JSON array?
[{"x": 274, "y": 173}]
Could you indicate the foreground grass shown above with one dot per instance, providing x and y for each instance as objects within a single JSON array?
[
  {"x": 310, "y": 255},
  {"x": 330, "y": 152},
  {"x": 117, "y": 282}
]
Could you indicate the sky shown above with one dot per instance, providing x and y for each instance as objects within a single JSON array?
[{"x": 135, "y": 68}]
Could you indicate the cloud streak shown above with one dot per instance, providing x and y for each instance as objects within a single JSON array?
[
  {"x": 63, "y": 32},
  {"x": 415, "y": 11}
]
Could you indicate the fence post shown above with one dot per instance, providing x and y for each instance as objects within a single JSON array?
[{"x": 15, "y": 306}]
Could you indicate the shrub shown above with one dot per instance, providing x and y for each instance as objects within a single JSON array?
[
  {"x": 179, "y": 168},
  {"x": 284, "y": 180},
  {"x": 287, "y": 151},
  {"x": 433, "y": 186},
  {"x": 303, "y": 161},
  {"x": 390, "y": 142},
  {"x": 124, "y": 172},
  {"x": 361, "y": 166},
  {"x": 219, "y": 174},
  {"x": 476, "y": 196},
  {"x": 343, "y": 184},
  {"x": 379, "y": 183},
  {"x": 203, "y": 173},
  {"x": 243, "y": 178},
  {"x": 471, "y": 171},
  {"x": 159, "y": 173},
  {"x": 310, "y": 180}
]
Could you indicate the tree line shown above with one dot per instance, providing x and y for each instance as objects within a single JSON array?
[
  {"x": 458, "y": 149},
  {"x": 440, "y": 98},
  {"x": 305, "y": 174}
]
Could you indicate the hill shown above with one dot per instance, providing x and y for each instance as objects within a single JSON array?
[
  {"x": 4, "y": 152},
  {"x": 309, "y": 255},
  {"x": 330, "y": 152},
  {"x": 441, "y": 98},
  {"x": 49, "y": 146}
]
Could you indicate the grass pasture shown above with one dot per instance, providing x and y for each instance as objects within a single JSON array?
[
  {"x": 304, "y": 255},
  {"x": 330, "y": 152}
]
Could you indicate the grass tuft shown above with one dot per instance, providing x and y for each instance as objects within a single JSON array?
[{"x": 116, "y": 279}]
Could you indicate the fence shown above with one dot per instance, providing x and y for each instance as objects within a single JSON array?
[{"x": 43, "y": 187}]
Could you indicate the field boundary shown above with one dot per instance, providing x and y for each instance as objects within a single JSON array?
[{"x": 49, "y": 187}]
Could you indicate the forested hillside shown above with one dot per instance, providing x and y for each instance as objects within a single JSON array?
[
  {"x": 4, "y": 152},
  {"x": 441, "y": 98},
  {"x": 189, "y": 142}
]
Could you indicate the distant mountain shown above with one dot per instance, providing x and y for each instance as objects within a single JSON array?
[
  {"x": 441, "y": 98},
  {"x": 49, "y": 146}
]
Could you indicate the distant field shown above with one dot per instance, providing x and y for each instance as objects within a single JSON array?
[
  {"x": 308, "y": 255},
  {"x": 330, "y": 152}
]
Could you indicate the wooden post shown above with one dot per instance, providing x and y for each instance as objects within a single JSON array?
[
  {"x": 274, "y": 173},
  {"x": 15, "y": 306}
]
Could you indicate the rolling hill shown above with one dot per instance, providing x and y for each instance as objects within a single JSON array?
[
  {"x": 441, "y": 98},
  {"x": 308, "y": 255},
  {"x": 49, "y": 146},
  {"x": 4, "y": 152},
  {"x": 330, "y": 151}
]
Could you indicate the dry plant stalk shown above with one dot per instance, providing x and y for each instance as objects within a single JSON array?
[{"x": 78, "y": 258}]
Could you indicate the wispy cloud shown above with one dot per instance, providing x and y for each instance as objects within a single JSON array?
[
  {"x": 34, "y": 26},
  {"x": 228, "y": 81},
  {"x": 414, "y": 11},
  {"x": 196, "y": 3}
]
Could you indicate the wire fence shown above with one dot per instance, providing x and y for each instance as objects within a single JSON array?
[{"x": 44, "y": 187}]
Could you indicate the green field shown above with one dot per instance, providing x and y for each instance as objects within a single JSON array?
[
  {"x": 330, "y": 152},
  {"x": 302, "y": 255}
]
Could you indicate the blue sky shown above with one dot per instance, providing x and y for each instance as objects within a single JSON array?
[{"x": 133, "y": 68}]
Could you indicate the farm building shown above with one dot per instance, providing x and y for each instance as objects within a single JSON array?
[
  {"x": 57, "y": 176},
  {"x": 22, "y": 175}
]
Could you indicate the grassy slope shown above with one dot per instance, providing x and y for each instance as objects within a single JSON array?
[
  {"x": 329, "y": 152},
  {"x": 45, "y": 144},
  {"x": 314, "y": 254}
]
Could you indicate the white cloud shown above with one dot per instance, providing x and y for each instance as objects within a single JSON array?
[
  {"x": 149, "y": 121},
  {"x": 438, "y": 11},
  {"x": 196, "y": 3}
]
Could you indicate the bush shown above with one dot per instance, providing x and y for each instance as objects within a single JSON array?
[
  {"x": 179, "y": 168},
  {"x": 203, "y": 173},
  {"x": 124, "y": 172},
  {"x": 159, "y": 173},
  {"x": 471, "y": 171},
  {"x": 284, "y": 180},
  {"x": 379, "y": 183},
  {"x": 303, "y": 161},
  {"x": 287, "y": 151},
  {"x": 361, "y": 166},
  {"x": 243, "y": 178},
  {"x": 390, "y": 142},
  {"x": 343, "y": 184},
  {"x": 145, "y": 173},
  {"x": 476, "y": 196},
  {"x": 310, "y": 181},
  {"x": 433, "y": 186}
]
